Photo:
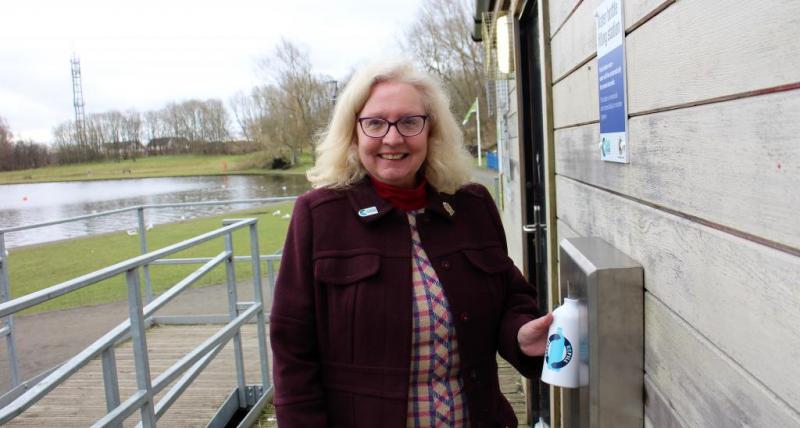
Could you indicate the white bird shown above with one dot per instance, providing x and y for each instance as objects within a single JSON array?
[
  {"x": 286, "y": 216},
  {"x": 276, "y": 212},
  {"x": 131, "y": 232}
]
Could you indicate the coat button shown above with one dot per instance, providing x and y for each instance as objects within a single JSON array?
[
  {"x": 446, "y": 265},
  {"x": 464, "y": 316}
]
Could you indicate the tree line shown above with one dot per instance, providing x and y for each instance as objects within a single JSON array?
[
  {"x": 192, "y": 126},
  {"x": 20, "y": 154},
  {"x": 280, "y": 118}
]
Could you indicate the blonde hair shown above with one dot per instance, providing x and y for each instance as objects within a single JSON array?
[{"x": 447, "y": 164}]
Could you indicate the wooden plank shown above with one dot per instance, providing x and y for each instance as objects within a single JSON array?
[
  {"x": 705, "y": 387},
  {"x": 640, "y": 10},
  {"x": 658, "y": 409},
  {"x": 576, "y": 41},
  {"x": 575, "y": 97},
  {"x": 751, "y": 46},
  {"x": 724, "y": 286},
  {"x": 194, "y": 408},
  {"x": 729, "y": 163},
  {"x": 559, "y": 10}
]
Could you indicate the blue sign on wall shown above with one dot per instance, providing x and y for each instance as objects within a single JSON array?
[{"x": 611, "y": 82}]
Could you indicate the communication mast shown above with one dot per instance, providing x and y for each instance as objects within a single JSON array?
[{"x": 77, "y": 100}]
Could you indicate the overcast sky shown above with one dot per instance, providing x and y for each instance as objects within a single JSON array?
[{"x": 143, "y": 54}]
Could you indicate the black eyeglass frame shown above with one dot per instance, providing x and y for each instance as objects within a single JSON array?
[{"x": 422, "y": 128}]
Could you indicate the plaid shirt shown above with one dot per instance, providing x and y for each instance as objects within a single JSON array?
[{"x": 434, "y": 397}]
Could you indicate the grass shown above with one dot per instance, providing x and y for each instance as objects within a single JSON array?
[
  {"x": 154, "y": 166},
  {"x": 36, "y": 267}
]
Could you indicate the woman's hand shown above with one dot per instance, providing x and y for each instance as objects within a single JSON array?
[{"x": 532, "y": 336}]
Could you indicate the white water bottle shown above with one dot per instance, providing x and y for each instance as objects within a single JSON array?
[{"x": 561, "y": 357}]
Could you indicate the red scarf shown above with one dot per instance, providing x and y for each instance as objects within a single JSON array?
[{"x": 404, "y": 199}]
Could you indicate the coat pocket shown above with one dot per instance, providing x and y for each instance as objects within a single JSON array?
[
  {"x": 346, "y": 270},
  {"x": 491, "y": 260},
  {"x": 345, "y": 285},
  {"x": 489, "y": 266}
]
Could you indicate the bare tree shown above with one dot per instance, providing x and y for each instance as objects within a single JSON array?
[
  {"x": 6, "y": 148},
  {"x": 439, "y": 41},
  {"x": 16, "y": 155},
  {"x": 247, "y": 113},
  {"x": 296, "y": 99}
]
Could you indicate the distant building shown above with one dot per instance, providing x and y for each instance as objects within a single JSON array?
[
  {"x": 124, "y": 149},
  {"x": 167, "y": 145}
]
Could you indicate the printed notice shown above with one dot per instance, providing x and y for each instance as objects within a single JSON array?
[{"x": 611, "y": 82}]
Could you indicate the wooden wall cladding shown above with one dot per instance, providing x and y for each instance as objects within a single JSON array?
[
  {"x": 575, "y": 42},
  {"x": 573, "y": 36},
  {"x": 732, "y": 163},
  {"x": 704, "y": 386},
  {"x": 741, "y": 296},
  {"x": 575, "y": 97},
  {"x": 659, "y": 412},
  {"x": 695, "y": 51},
  {"x": 559, "y": 10}
]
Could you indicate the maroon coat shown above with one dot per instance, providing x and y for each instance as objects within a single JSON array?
[{"x": 341, "y": 322}]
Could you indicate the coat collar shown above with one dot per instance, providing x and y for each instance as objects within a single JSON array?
[{"x": 369, "y": 207}]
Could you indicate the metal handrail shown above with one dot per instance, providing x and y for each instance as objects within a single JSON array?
[
  {"x": 146, "y": 206},
  {"x": 191, "y": 364},
  {"x": 7, "y": 331},
  {"x": 49, "y": 293}
]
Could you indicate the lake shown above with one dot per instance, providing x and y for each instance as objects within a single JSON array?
[{"x": 23, "y": 204}]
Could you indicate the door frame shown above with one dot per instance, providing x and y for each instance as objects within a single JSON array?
[{"x": 533, "y": 73}]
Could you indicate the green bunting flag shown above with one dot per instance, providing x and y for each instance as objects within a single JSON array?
[{"x": 471, "y": 110}]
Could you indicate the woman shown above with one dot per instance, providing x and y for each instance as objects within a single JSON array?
[{"x": 395, "y": 290}]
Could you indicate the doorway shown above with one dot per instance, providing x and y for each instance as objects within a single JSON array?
[{"x": 532, "y": 126}]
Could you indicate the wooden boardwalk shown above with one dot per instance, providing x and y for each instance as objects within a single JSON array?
[
  {"x": 80, "y": 401},
  {"x": 510, "y": 385}
]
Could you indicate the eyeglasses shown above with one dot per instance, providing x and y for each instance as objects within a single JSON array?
[{"x": 376, "y": 127}]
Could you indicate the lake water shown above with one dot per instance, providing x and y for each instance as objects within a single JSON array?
[{"x": 23, "y": 204}]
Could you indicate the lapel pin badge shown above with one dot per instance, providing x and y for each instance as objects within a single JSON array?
[
  {"x": 366, "y": 212},
  {"x": 448, "y": 208}
]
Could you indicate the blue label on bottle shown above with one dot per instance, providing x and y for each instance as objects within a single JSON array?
[{"x": 558, "y": 352}]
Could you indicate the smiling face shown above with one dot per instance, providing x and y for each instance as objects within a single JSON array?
[{"x": 393, "y": 159}]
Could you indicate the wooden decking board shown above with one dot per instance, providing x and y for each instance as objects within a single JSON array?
[
  {"x": 510, "y": 385},
  {"x": 80, "y": 401}
]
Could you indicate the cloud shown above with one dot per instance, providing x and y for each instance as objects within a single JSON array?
[{"x": 145, "y": 54}]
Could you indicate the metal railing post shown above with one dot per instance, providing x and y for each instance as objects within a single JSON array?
[
  {"x": 271, "y": 279},
  {"x": 5, "y": 295},
  {"x": 234, "y": 312},
  {"x": 139, "y": 342},
  {"x": 259, "y": 298},
  {"x": 110, "y": 382},
  {"x": 148, "y": 290}
]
